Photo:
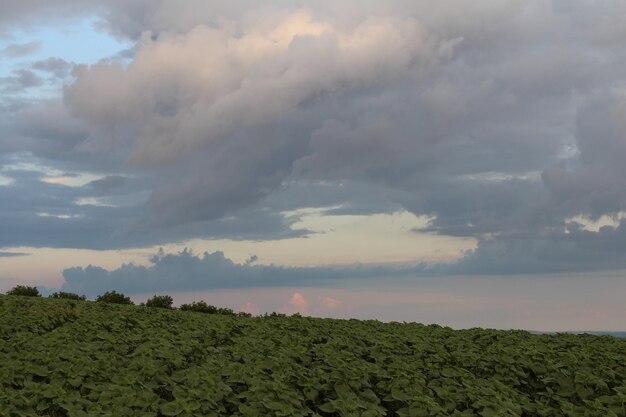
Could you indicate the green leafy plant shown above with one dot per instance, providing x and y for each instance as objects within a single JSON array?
[
  {"x": 203, "y": 307},
  {"x": 199, "y": 307},
  {"x": 274, "y": 314},
  {"x": 226, "y": 311},
  {"x": 24, "y": 290},
  {"x": 67, "y": 296},
  {"x": 113, "y": 297},
  {"x": 63, "y": 358},
  {"x": 160, "y": 301}
]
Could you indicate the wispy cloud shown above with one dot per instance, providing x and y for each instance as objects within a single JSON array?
[
  {"x": 11, "y": 254},
  {"x": 250, "y": 308},
  {"x": 330, "y": 304},
  {"x": 58, "y": 67},
  {"x": 19, "y": 81},
  {"x": 16, "y": 50}
]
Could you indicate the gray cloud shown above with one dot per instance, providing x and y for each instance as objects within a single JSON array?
[
  {"x": 44, "y": 129},
  {"x": 106, "y": 213},
  {"x": 568, "y": 248},
  {"x": 11, "y": 254},
  {"x": 19, "y": 81},
  {"x": 178, "y": 110},
  {"x": 575, "y": 249},
  {"x": 502, "y": 122},
  {"x": 31, "y": 12},
  {"x": 59, "y": 67},
  {"x": 186, "y": 272},
  {"x": 592, "y": 181},
  {"x": 16, "y": 50},
  {"x": 107, "y": 184}
]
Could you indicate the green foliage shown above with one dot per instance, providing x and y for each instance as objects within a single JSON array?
[
  {"x": 66, "y": 358},
  {"x": 160, "y": 301},
  {"x": 24, "y": 290},
  {"x": 202, "y": 307},
  {"x": 199, "y": 307},
  {"x": 274, "y": 314},
  {"x": 113, "y": 297},
  {"x": 67, "y": 296}
]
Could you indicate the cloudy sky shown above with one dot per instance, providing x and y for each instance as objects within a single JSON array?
[{"x": 399, "y": 160}]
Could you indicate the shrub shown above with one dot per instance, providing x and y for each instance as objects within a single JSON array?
[
  {"x": 203, "y": 307},
  {"x": 274, "y": 314},
  {"x": 199, "y": 307},
  {"x": 68, "y": 296},
  {"x": 160, "y": 301},
  {"x": 226, "y": 312},
  {"x": 24, "y": 290},
  {"x": 113, "y": 297}
]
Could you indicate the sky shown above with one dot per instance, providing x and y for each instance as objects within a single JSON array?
[{"x": 401, "y": 160}]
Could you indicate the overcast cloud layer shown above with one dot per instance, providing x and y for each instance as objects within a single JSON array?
[{"x": 504, "y": 122}]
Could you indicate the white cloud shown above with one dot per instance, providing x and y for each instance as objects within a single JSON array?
[{"x": 4, "y": 181}]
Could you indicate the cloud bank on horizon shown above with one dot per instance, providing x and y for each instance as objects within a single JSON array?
[
  {"x": 504, "y": 123},
  {"x": 185, "y": 272}
]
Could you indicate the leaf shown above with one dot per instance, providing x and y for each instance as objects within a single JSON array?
[
  {"x": 75, "y": 382},
  {"x": 171, "y": 409},
  {"x": 310, "y": 394},
  {"x": 399, "y": 395},
  {"x": 273, "y": 405},
  {"x": 327, "y": 407},
  {"x": 342, "y": 390},
  {"x": 412, "y": 412}
]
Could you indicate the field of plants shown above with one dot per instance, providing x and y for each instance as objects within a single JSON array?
[{"x": 78, "y": 358}]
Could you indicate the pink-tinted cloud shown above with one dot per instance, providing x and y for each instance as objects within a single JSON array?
[
  {"x": 296, "y": 304},
  {"x": 556, "y": 302},
  {"x": 328, "y": 303},
  {"x": 251, "y": 308}
]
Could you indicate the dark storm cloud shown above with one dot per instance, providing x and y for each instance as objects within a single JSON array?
[{"x": 503, "y": 122}]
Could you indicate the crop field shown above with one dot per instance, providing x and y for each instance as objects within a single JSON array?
[{"x": 81, "y": 358}]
